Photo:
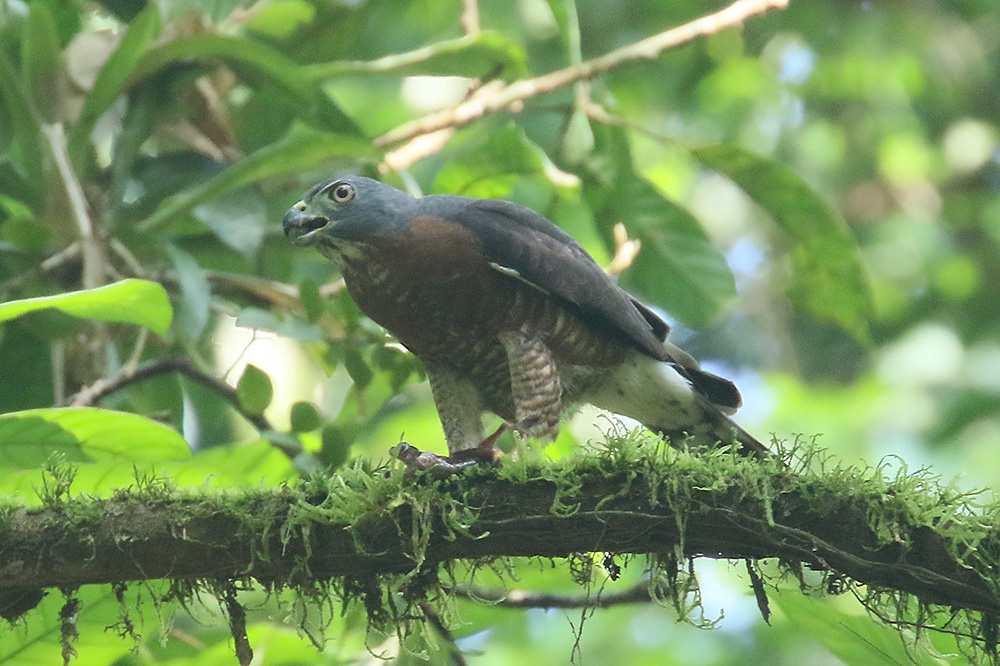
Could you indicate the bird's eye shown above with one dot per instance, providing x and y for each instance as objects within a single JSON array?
[{"x": 342, "y": 193}]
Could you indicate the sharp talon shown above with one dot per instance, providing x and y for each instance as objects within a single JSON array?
[
  {"x": 476, "y": 456},
  {"x": 490, "y": 442},
  {"x": 485, "y": 452}
]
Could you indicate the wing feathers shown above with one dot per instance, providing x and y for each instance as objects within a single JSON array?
[{"x": 521, "y": 243}]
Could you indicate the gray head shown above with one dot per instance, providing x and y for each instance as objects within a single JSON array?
[{"x": 345, "y": 212}]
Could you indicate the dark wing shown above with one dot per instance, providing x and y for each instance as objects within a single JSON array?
[{"x": 520, "y": 242}]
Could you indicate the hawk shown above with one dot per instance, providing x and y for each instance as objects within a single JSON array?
[{"x": 509, "y": 315}]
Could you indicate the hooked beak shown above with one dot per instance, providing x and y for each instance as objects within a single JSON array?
[{"x": 301, "y": 227}]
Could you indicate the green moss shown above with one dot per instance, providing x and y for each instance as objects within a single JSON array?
[{"x": 630, "y": 466}]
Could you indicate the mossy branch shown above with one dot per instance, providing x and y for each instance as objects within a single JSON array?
[{"x": 907, "y": 534}]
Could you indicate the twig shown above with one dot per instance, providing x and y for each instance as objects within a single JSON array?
[
  {"x": 626, "y": 250},
  {"x": 58, "y": 363},
  {"x": 489, "y": 99},
  {"x": 271, "y": 292},
  {"x": 68, "y": 254},
  {"x": 93, "y": 253},
  {"x": 638, "y": 594},
  {"x": 470, "y": 17},
  {"x": 126, "y": 255},
  {"x": 454, "y": 652},
  {"x": 415, "y": 150},
  {"x": 102, "y": 388}
]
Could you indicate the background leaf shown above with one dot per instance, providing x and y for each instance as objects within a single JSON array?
[
  {"x": 85, "y": 434},
  {"x": 677, "y": 268},
  {"x": 297, "y": 153},
  {"x": 254, "y": 390},
  {"x": 40, "y": 62},
  {"x": 853, "y": 637},
  {"x": 129, "y": 301},
  {"x": 111, "y": 80},
  {"x": 830, "y": 278},
  {"x": 490, "y": 164},
  {"x": 256, "y": 62}
]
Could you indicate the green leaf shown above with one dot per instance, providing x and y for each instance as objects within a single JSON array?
[
  {"x": 293, "y": 155},
  {"x": 111, "y": 80},
  {"x": 829, "y": 276},
  {"x": 17, "y": 112},
  {"x": 304, "y": 417},
  {"x": 677, "y": 267},
  {"x": 195, "y": 306},
  {"x": 855, "y": 638},
  {"x": 490, "y": 163},
  {"x": 14, "y": 185},
  {"x": 473, "y": 56},
  {"x": 578, "y": 139},
  {"x": 130, "y": 301},
  {"x": 356, "y": 366},
  {"x": 85, "y": 434},
  {"x": 336, "y": 445},
  {"x": 244, "y": 53},
  {"x": 279, "y": 18},
  {"x": 237, "y": 218},
  {"x": 254, "y": 62},
  {"x": 256, "y": 463},
  {"x": 254, "y": 390},
  {"x": 41, "y": 61},
  {"x": 38, "y": 639},
  {"x": 289, "y": 327},
  {"x": 311, "y": 301}
]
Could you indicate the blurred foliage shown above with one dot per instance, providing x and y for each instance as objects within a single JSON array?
[{"x": 818, "y": 193}]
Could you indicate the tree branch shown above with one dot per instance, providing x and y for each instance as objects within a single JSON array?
[
  {"x": 93, "y": 394},
  {"x": 94, "y": 260},
  {"x": 494, "y": 97},
  {"x": 360, "y": 524}
]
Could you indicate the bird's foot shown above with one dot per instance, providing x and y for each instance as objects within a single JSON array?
[{"x": 444, "y": 466}]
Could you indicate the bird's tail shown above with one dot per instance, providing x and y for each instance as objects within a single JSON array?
[{"x": 718, "y": 430}]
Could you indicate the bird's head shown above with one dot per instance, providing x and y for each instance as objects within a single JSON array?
[{"x": 348, "y": 212}]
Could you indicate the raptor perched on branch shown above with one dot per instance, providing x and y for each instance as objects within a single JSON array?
[{"x": 509, "y": 315}]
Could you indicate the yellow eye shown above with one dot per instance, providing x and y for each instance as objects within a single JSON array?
[{"x": 342, "y": 192}]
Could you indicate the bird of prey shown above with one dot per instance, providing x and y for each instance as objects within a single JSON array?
[{"x": 509, "y": 315}]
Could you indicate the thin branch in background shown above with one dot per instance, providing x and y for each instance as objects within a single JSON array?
[
  {"x": 599, "y": 114},
  {"x": 67, "y": 255},
  {"x": 626, "y": 250},
  {"x": 102, "y": 388},
  {"x": 415, "y": 150},
  {"x": 470, "y": 17},
  {"x": 120, "y": 249},
  {"x": 136, "y": 356},
  {"x": 94, "y": 262},
  {"x": 57, "y": 355},
  {"x": 250, "y": 287},
  {"x": 638, "y": 594},
  {"x": 274, "y": 293},
  {"x": 489, "y": 99},
  {"x": 454, "y": 652}
]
